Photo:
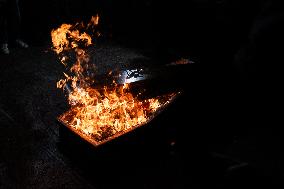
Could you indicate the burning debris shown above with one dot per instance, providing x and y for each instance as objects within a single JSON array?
[{"x": 97, "y": 114}]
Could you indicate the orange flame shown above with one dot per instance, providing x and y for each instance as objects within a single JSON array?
[
  {"x": 94, "y": 21},
  {"x": 97, "y": 113},
  {"x": 65, "y": 38}
]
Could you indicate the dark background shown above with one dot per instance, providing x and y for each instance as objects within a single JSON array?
[{"x": 227, "y": 128}]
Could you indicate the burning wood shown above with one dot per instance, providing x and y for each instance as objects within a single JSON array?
[{"x": 97, "y": 115}]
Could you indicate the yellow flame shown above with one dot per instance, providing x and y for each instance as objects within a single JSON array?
[
  {"x": 94, "y": 21},
  {"x": 98, "y": 113}
]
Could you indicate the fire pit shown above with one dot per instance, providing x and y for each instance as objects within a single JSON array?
[
  {"x": 102, "y": 112},
  {"x": 108, "y": 132}
]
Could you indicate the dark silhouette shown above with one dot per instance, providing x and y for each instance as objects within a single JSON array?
[{"x": 10, "y": 21}]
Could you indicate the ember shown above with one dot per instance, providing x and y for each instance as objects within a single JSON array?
[{"x": 97, "y": 115}]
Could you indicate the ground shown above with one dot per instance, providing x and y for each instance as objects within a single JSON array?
[
  {"x": 29, "y": 105},
  {"x": 29, "y": 134}
]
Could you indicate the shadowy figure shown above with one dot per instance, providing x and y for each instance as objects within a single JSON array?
[{"x": 10, "y": 21}]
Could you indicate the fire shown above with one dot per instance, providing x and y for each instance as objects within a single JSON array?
[
  {"x": 94, "y": 21},
  {"x": 97, "y": 113},
  {"x": 61, "y": 38}
]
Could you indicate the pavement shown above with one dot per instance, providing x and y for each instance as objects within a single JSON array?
[
  {"x": 29, "y": 106},
  {"x": 29, "y": 135}
]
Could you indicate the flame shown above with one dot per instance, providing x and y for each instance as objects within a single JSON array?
[
  {"x": 111, "y": 110},
  {"x": 65, "y": 38},
  {"x": 181, "y": 61},
  {"x": 97, "y": 113},
  {"x": 94, "y": 21}
]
